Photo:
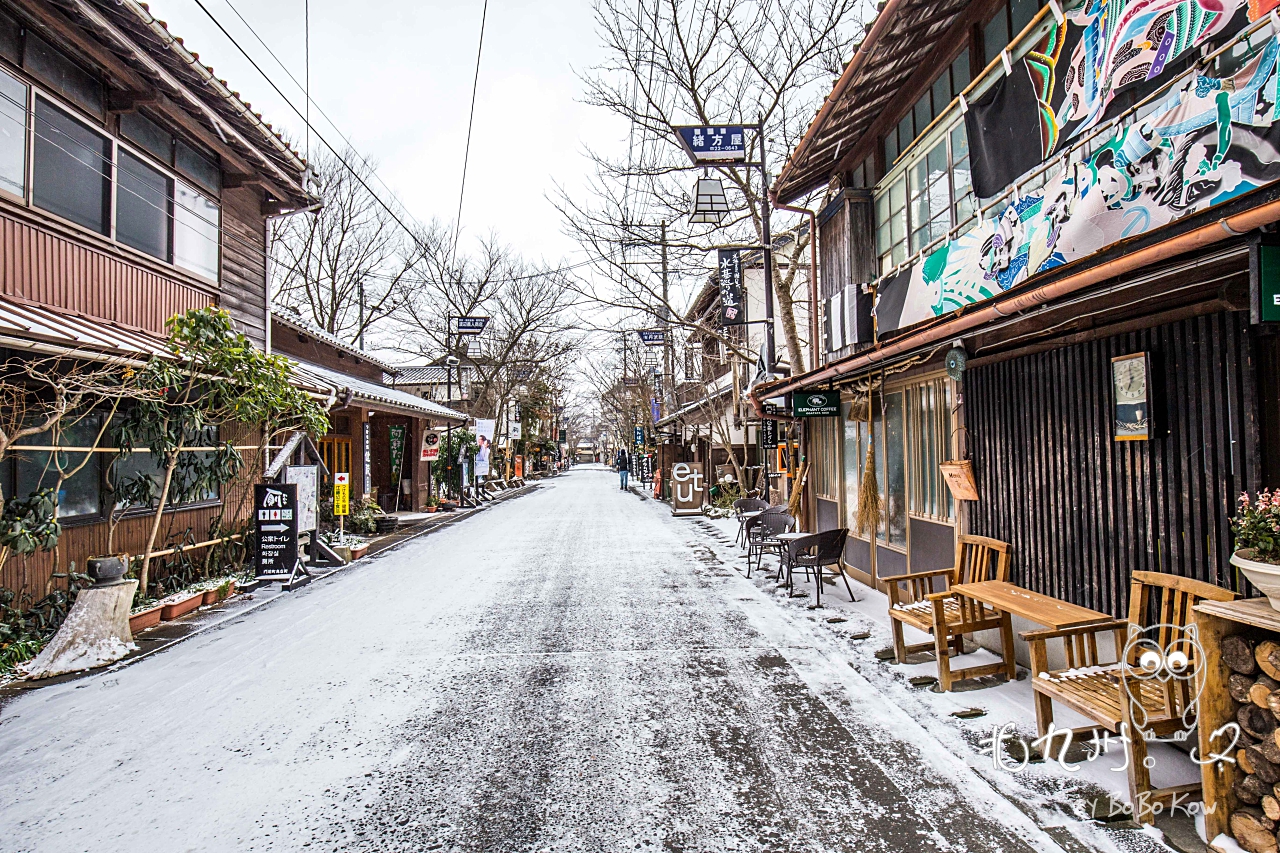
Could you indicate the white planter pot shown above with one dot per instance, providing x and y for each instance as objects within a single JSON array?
[{"x": 1265, "y": 576}]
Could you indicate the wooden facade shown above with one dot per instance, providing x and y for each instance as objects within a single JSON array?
[{"x": 1084, "y": 511}]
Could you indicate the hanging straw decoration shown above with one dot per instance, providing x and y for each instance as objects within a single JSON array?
[{"x": 797, "y": 493}]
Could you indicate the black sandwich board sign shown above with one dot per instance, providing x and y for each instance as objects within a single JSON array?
[{"x": 276, "y": 524}]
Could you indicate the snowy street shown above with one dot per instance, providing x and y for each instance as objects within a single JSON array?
[{"x": 571, "y": 670}]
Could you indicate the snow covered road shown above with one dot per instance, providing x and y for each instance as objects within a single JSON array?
[{"x": 573, "y": 670}]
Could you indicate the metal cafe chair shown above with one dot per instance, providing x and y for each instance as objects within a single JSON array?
[
  {"x": 761, "y": 536},
  {"x": 816, "y": 552},
  {"x": 745, "y": 505}
]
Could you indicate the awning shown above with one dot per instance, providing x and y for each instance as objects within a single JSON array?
[
  {"x": 381, "y": 395},
  {"x": 27, "y": 327}
]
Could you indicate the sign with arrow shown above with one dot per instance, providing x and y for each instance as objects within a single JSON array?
[{"x": 276, "y": 523}]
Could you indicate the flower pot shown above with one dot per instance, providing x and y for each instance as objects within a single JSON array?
[
  {"x": 230, "y": 591},
  {"x": 182, "y": 606},
  {"x": 387, "y": 524},
  {"x": 432, "y": 508},
  {"x": 357, "y": 553},
  {"x": 144, "y": 619},
  {"x": 1265, "y": 576},
  {"x": 105, "y": 570},
  {"x": 210, "y": 597}
]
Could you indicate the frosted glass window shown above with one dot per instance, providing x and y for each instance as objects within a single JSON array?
[
  {"x": 197, "y": 221},
  {"x": 13, "y": 135}
]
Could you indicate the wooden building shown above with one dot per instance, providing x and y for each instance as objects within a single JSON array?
[
  {"x": 134, "y": 185},
  {"x": 1060, "y": 283},
  {"x": 364, "y": 414}
]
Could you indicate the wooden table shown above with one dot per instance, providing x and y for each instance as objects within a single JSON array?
[{"x": 971, "y": 601}]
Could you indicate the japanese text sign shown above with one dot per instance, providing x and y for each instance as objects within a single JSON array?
[
  {"x": 733, "y": 311},
  {"x": 341, "y": 494},
  {"x": 723, "y": 143},
  {"x": 276, "y": 525}
]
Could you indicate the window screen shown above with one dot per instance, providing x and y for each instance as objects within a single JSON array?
[
  {"x": 72, "y": 169},
  {"x": 13, "y": 135},
  {"x": 196, "y": 222},
  {"x": 198, "y": 168},
  {"x": 142, "y": 206}
]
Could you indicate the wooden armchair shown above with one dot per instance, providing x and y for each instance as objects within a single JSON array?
[
  {"x": 1114, "y": 697},
  {"x": 914, "y": 601}
]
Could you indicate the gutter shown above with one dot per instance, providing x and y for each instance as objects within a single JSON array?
[
  {"x": 859, "y": 57},
  {"x": 1205, "y": 235}
]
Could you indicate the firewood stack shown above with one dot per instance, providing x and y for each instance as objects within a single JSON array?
[{"x": 1255, "y": 685}]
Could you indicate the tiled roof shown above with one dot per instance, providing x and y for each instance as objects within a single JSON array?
[{"x": 287, "y": 318}]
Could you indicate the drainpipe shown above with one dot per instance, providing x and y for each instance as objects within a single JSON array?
[
  {"x": 813, "y": 276},
  {"x": 1205, "y": 235}
]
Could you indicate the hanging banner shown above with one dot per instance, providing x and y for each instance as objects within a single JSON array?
[
  {"x": 396, "y": 438},
  {"x": 719, "y": 144},
  {"x": 768, "y": 434},
  {"x": 275, "y": 521},
  {"x": 484, "y": 437},
  {"x": 430, "y": 446},
  {"x": 733, "y": 310},
  {"x": 368, "y": 459},
  {"x": 639, "y": 436},
  {"x": 341, "y": 494}
]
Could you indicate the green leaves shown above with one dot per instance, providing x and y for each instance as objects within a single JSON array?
[{"x": 29, "y": 524}]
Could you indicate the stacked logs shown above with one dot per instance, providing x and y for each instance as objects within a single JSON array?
[{"x": 1255, "y": 684}]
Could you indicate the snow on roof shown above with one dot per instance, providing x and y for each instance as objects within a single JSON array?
[
  {"x": 374, "y": 392},
  {"x": 286, "y": 317}
]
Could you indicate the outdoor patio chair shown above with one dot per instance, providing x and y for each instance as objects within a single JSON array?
[
  {"x": 761, "y": 532},
  {"x": 746, "y": 505},
  {"x": 816, "y": 552}
]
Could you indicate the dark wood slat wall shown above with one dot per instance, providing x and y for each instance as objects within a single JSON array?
[
  {"x": 1083, "y": 511},
  {"x": 244, "y": 269}
]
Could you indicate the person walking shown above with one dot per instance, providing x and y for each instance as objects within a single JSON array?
[{"x": 623, "y": 465}]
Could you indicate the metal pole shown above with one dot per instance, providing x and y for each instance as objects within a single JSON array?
[
  {"x": 666, "y": 331},
  {"x": 770, "y": 354}
]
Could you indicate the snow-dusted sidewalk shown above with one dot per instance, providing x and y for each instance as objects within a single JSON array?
[{"x": 572, "y": 671}]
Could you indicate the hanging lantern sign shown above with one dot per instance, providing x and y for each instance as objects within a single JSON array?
[
  {"x": 710, "y": 205},
  {"x": 718, "y": 144}
]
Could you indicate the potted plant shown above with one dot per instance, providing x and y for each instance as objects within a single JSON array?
[
  {"x": 144, "y": 617},
  {"x": 433, "y": 504},
  {"x": 1257, "y": 540},
  {"x": 180, "y": 604}
]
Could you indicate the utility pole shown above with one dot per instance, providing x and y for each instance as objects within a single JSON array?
[
  {"x": 668, "y": 374},
  {"x": 767, "y": 239}
]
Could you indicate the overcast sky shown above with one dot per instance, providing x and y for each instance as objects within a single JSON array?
[{"x": 396, "y": 75}]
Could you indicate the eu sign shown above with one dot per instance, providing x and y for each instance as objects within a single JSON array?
[
  {"x": 815, "y": 404},
  {"x": 714, "y": 144}
]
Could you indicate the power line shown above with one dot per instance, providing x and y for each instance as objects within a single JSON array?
[{"x": 466, "y": 154}]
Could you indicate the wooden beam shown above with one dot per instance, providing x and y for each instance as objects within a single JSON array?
[
  {"x": 52, "y": 22},
  {"x": 129, "y": 100}
]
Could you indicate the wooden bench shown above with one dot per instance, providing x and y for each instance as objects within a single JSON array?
[
  {"x": 1106, "y": 692},
  {"x": 914, "y": 601}
]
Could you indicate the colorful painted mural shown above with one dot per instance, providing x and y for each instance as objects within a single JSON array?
[{"x": 1209, "y": 140}]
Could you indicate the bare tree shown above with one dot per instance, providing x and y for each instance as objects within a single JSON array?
[
  {"x": 709, "y": 62},
  {"x": 530, "y": 335},
  {"x": 348, "y": 264}
]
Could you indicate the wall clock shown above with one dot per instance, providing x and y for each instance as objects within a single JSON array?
[{"x": 1131, "y": 397}]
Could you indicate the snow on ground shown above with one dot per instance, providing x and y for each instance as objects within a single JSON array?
[{"x": 571, "y": 670}]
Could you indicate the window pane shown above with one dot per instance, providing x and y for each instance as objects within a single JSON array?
[
  {"x": 142, "y": 206},
  {"x": 13, "y": 135},
  {"x": 72, "y": 169},
  {"x": 68, "y": 79},
  {"x": 905, "y": 133},
  {"x": 898, "y": 226},
  {"x": 898, "y": 194},
  {"x": 923, "y": 113},
  {"x": 920, "y": 238},
  {"x": 960, "y": 72},
  {"x": 147, "y": 135},
  {"x": 79, "y": 494},
  {"x": 195, "y": 234},
  {"x": 995, "y": 35},
  {"x": 899, "y": 253},
  {"x": 198, "y": 168},
  {"x": 941, "y": 93},
  {"x": 855, "y": 454},
  {"x": 1022, "y": 11},
  {"x": 891, "y": 147},
  {"x": 937, "y": 159},
  {"x": 882, "y": 209},
  {"x": 883, "y": 241},
  {"x": 895, "y": 472}
]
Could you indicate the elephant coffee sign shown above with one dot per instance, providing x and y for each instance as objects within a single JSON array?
[{"x": 816, "y": 404}]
